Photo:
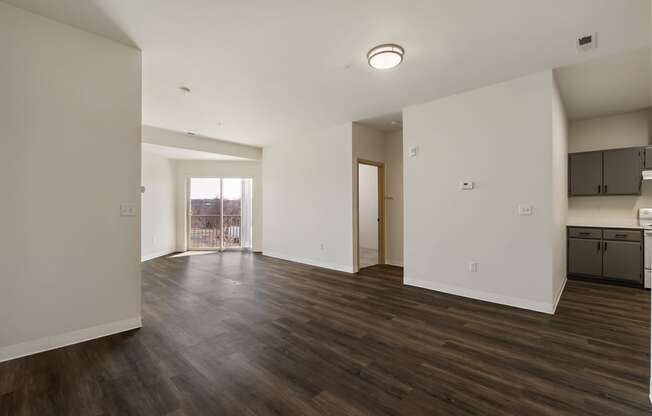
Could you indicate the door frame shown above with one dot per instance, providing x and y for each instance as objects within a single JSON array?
[{"x": 381, "y": 208}]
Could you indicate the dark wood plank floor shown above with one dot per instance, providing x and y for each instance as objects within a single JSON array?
[{"x": 242, "y": 334}]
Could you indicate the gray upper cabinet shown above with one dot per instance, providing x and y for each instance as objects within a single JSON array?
[
  {"x": 585, "y": 257},
  {"x": 622, "y": 171},
  {"x": 608, "y": 172},
  {"x": 622, "y": 260},
  {"x": 585, "y": 173},
  {"x": 648, "y": 158}
]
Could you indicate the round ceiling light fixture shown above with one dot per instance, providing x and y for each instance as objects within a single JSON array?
[{"x": 385, "y": 56}]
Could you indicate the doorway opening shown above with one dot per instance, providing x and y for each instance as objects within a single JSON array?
[
  {"x": 371, "y": 213},
  {"x": 219, "y": 213}
]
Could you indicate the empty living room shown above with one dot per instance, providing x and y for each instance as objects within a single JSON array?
[{"x": 415, "y": 207}]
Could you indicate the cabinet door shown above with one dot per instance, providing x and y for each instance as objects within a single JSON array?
[
  {"x": 648, "y": 158},
  {"x": 622, "y": 260},
  {"x": 585, "y": 173},
  {"x": 584, "y": 257},
  {"x": 622, "y": 171}
]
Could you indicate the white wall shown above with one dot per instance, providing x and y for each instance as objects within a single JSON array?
[
  {"x": 501, "y": 138},
  {"x": 630, "y": 129},
  {"x": 559, "y": 191},
  {"x": 158, "y": 228},
  {"x": 368, "y": 205},
  {"x": 308, "y": 198},
  {"x": 70, "y": 126},
  {"x": 394, "y": 190},
  {"x": 185, "y": 169}
]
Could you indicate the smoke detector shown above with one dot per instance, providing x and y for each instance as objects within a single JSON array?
[{"x": 587, "y": 41}]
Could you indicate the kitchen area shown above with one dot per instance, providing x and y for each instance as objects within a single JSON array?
[
  {"x": 609, "y": 233},
  {"x": 608, "y": 133}
]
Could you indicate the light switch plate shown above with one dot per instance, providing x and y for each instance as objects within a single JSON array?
[
  {"x": 525, "y": 210},
  {"x": 414, "y": 150},
  {"x": 466, "y": 185},
  {"x": 127, "y": 209}
]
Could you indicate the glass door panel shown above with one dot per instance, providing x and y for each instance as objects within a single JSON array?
[
  {"x": 232, "y": 209},
  {"x": 205, "y": 214}
]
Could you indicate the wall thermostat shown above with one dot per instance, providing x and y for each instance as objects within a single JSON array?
[{"x": 466, "y": 185}]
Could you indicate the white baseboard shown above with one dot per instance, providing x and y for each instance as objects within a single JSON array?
[
  {"x": 162, "y": 253},
  {"x": 57, "y": 341},
  {"x": 310, "y": 262},
  {"x": 561, "y": 291},
  {"x": 484, "y": 296}
]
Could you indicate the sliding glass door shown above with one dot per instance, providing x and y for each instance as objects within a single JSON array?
[
  {"x": 219, "y": 213},
  {"x": 205, "y": 214},
  {"x": 232, "y": 214}
]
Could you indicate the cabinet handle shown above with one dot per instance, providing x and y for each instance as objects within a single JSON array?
[
  {"x": 584, "y": 233},
  {"x": 599, "y": 187},
  {"x": 598, "y": 246},
  {"x": 605, "y": 246},
  {"x": 621, "y": 235},
  {"x": 605, "y": 189}
]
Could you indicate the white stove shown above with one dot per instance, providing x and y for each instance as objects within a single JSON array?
[{"x": 645, "y": 221}]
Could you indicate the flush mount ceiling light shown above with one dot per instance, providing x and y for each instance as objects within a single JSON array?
[{"x": 385, "y": 56}]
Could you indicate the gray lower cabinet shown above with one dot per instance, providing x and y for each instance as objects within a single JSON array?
[
  {"x": 622, "y": 260},
  {"x": 622, "y": 171},
  {"x": 606, "y": 253},
  {"x": 584, "y": 257},
  {"x": 585, "y": 173}
]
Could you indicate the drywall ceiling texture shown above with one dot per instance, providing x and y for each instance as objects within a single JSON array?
[
  {"x": 158, "y": 226},
  {"x": 247, "y": 89},
  {"x": 614, "y": 84},
  {"x": 308, "y": 199},
  {"x": 70, "y": 122},
  {"x": 507, "y": 152}
]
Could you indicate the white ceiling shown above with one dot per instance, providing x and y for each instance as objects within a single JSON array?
[
  {"x": 610, "y": 85},
  {"x": 385, "y": 123},
  {"x": 177, "y": 153},
  {"x": 260, "y": 70}
]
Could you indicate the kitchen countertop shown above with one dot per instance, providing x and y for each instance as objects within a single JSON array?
[{"x": 596, "y": 224}]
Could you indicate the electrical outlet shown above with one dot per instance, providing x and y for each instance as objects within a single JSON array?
[
  {"x": 322, "y": 246},
  {"x": 127, "y": 209},
  {"x": 474, "y": 266},
  {"x": 525, "y": 210}
]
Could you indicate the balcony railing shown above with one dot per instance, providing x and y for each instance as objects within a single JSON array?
[{"x": 205, "y": 231}]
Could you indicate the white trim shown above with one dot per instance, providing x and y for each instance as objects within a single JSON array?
[
  {"x": 558, "y": 297},
  {"x": 485, "y": 296},
  {"x": 57, "y": 341},
  {"x": 331, "y": 266},
  {"x": 151, "y": 256}
]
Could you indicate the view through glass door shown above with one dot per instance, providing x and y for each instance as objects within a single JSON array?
[{"x": 220, "y": 213}]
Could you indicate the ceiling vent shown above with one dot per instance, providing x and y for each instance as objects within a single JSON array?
[{"x": 587, "y": 42}]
